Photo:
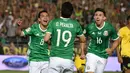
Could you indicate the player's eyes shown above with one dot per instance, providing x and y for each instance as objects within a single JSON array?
[
  {"x": 44, "y": 16},
  {"x": 100, "y": 14}
]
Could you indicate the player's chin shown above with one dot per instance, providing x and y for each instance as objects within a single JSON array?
[
  {"x": 97, "y": 22},
  {"x": 45, "y": 24}
]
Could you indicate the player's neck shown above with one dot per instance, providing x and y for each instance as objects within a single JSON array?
[
  {"x": 43, "y": 27},
  {"x": 100, "y": 25}
]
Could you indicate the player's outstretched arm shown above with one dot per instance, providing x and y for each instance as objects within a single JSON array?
[
  {"x": 19, "y": 28},
  {"x": 118, "y": 51},
  {"x": 114, "y": 46},
  {"x": 82, "y": 46}
]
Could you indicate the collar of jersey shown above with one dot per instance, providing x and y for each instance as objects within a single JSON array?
[
  {"x": 100, "y": 27},
  {"x": 41, "y": 29},
  {"x": 64, "y": 18}
]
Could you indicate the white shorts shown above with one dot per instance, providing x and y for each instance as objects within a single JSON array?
[
  {"x": 95, "y": 63},
  {"x": 60, "y": 65},
  {"x": 38, "y": 67}
]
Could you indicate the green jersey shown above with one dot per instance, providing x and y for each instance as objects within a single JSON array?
[
  {"x": 63, "y": 32},
  {"x": 99, "y": 38},
  {"x": 38, "y": 49}
]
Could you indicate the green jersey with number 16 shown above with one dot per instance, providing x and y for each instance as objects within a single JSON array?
[
  {"x": 63, "y": 32},
  {"x": 38, "y": 49},
  {"x": 100, "y": 38}
]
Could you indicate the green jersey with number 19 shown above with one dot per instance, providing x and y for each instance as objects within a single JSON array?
[
  {"x": 38, "y": 49},
  {"x": 63, "y": 32},
  {"x": 100, "y": 38}
]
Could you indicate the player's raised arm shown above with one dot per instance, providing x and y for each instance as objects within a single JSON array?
[{"x": 19, "y": 28}]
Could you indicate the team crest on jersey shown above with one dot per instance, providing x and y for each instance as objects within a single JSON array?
[{"x": 105, "y": 33}]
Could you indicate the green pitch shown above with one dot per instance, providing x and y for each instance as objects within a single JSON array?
[
  {"x": 13, "y": 71},
  {"x": 27, "y": 72}
]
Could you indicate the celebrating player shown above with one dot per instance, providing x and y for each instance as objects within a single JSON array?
[
  {"x": 99, "y": 31},
  {"x": 38, "y": 49},
  {"x": 63, "y": 32}
]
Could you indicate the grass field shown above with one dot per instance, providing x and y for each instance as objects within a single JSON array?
[{"x": 27, "y": 72}]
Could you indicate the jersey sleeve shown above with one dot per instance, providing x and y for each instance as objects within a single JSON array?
[
  {"x": 79, "y": 30},
  {"x": 28, "y": 31},
  {"x": 50, "y": 27},
  {"x": 114, "y": 35},
  {"x": 86, "y": 30}
]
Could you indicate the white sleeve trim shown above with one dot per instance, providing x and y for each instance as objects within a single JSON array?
[
  {"x": 116, "y": 38},
  {"x": 80, "y": 35},
  {"x": 48, "y": 32},
  {"x": 22, "y": 34}
]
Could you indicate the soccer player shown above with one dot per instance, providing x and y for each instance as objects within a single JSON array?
[
  {"x": 63, "y": 32},
  {"x": 38, "y": 49},
  {"x": 100, "y": 32},
  {"x": 123, "y": 52}
]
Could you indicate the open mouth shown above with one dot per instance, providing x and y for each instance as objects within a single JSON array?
[
  {"x": 97, "y": 20},
  {"x": 45, "y": 21}
]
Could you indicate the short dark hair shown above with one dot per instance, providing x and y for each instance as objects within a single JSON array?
[
  {"x": 100, "y": 9},
  {"x": 66, "y": 10},
  {"x": 128, "y": 18},
  {"x": 41, "y": 12}
]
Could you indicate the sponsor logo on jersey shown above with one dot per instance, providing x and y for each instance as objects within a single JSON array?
[
  {"x": 105, "y": 33},
  {"x": 93, "y": 33},
  {"x": 15, "y": 62},
  {"x": 99, "y": 33}
]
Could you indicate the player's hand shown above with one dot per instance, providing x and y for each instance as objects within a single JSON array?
[
  {"x": 120, "y": 60},
  {"x": 82, "y": 56},
  {"x": 19, "y": 22},
  {"x": 109, "y": 51}
]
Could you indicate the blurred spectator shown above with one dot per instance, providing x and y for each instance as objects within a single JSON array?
[
  {"x": 1, "y": 48},
  {"x": 11, "y": 27},
  {"x": 12, "y": 48},
  {"x": 2, "y": 23},
  {"x": 2, "y": 41},
  {"x": 117, "y": 11}
]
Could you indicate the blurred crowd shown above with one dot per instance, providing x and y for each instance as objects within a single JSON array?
[{"x": 27, "y": 10}]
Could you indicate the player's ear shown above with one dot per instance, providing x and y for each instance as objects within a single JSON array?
[
  {"x": 104, "y": 18},
  {"x": 94, "y": 17},
  {"x": 39, "y": 20}
]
